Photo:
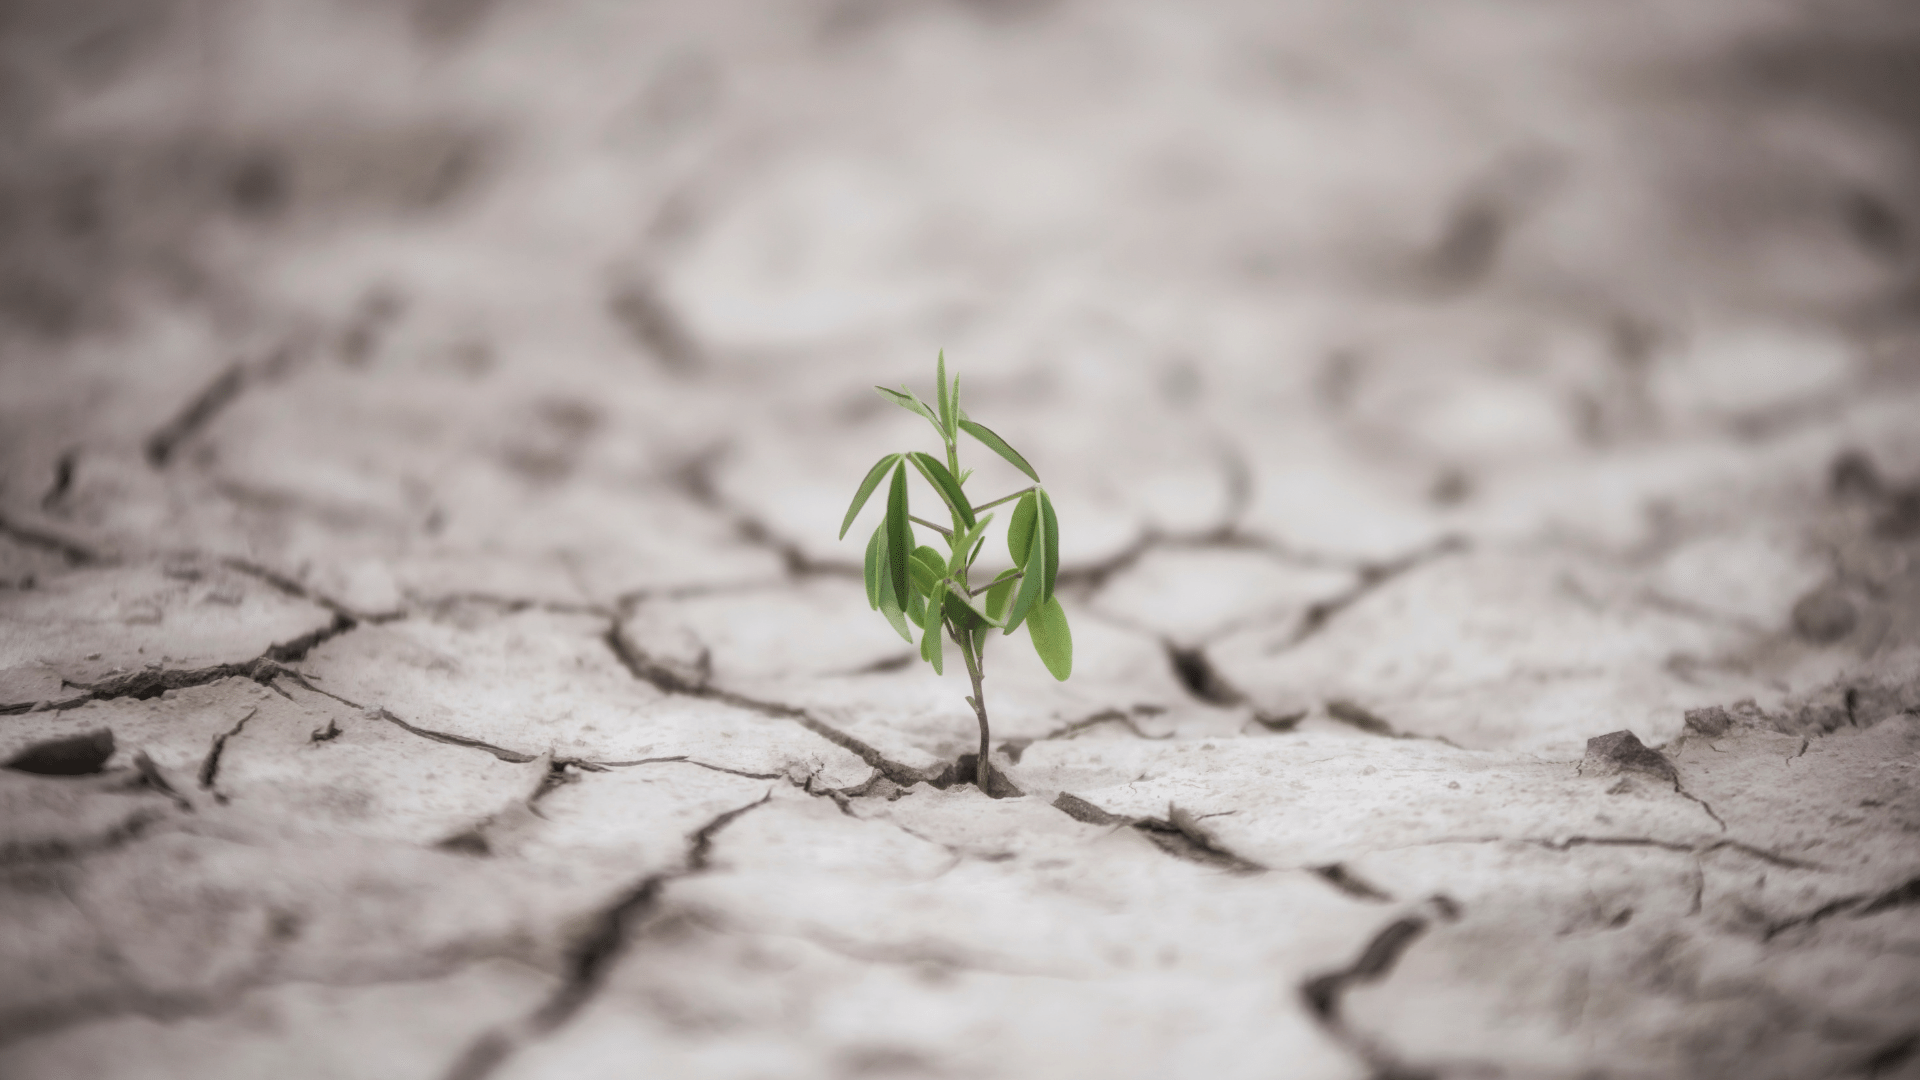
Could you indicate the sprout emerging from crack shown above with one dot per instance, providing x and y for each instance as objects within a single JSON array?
[{"x": 916, "y": 587}]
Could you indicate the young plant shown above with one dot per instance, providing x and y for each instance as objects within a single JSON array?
[{"x": 916, "y": 587}]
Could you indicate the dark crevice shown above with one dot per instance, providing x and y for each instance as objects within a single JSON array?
[
  {"x": 57, "y": 849},
  {"x": 1015, "y": 747},
  {"x": 1355, "y": 715},
  {"x": 679, "y": 759},
  {"x": 296, "y": 650},
  {"x": 199, "y": 412},
  {"x": 638, "y": 307},
  {"x": 69, "y": 551},
  {"x": 1567, "y": 843},
  {"x": 295, "y": 589},
  {"x": 1197, "y": 674},
  {"x": 1906, "y": 894},
  {"x": 644, "y": 668},
  {"x": 514, "y": 757},
  {"x": 605, "y": 940},
  {"x": 63, "y": 471},
  {"x": 150, "y": 683},
  {"x": 1182, "y": 836},
  {"x": 1337, "y": 875},
  {"x": 694, "y": 478},
  {"x": 1325, "y": 994},
  {"x": 210, "y": 765},
  {"x": 901, "y": 662},
  {"x": 1179, "y": 834},
  {"x": 1372, "y": 577},
  {"x": 510, "y": 605}
]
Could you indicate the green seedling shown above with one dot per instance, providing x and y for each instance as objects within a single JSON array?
[{"x": 918, "y": 588}]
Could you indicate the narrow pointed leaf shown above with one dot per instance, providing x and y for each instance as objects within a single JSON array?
[
  {"x": 907, "y": 401},
  {"x": 943, "y": 396},
  {"x": 930, "y": 642},
  {"x": 1033, "y": 570},
  {"x": 872, "y": 481},
  {"x": 899, "y": 531},
  {"x": 872, "y": 569},
  {"x": 1020, "y": 527},
  {"x": 1000, "y": 592},
  {"x": 999, "y": 446},
  {"x": 889, "y": 602},
  {"x": 944, "y": 483},
  {"x": 1051, "y": 529},
  {"x": 965, "y": 542},
  {"x": 1047, "y": 626}
]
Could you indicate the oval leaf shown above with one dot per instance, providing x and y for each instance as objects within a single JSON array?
[
  {"x": 866, "y": 489},
  {"x": 999, "y": 446},
  {"x": 889, "y": 603},
  {"x": 1047, "y": 626},
  {"x": 930, "y": 643},
  {"x": 944, "y": 483},
  {"x": 925, "y": 571},
  {"x": 1033, "y": 571},
  {"x": 872, "y": 567},
  {"x": 1051, "y": 546},
  {"x": 899, "y": 531},
  {"x": 1020, "y": 528}
]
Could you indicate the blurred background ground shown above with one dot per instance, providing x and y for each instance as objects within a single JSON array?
[{"x": 424, "y": 426}]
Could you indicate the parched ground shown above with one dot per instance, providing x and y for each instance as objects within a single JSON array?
[{"x": 1486, "y": 438}]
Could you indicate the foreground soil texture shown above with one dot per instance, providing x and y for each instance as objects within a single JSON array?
[{"x": 1486, "y": 438}]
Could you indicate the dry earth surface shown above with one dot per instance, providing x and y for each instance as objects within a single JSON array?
[{"x": 1486, "y": 436}]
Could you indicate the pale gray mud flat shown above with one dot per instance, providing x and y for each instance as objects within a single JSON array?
[{"x": 1487, "y": 440}]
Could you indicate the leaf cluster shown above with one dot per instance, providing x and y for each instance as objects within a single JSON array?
[{"x": 915, "y": 586}]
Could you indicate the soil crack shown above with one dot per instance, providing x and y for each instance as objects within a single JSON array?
[{"x": 594, "y": 956}]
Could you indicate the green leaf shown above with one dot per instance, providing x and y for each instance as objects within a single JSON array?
[
  {"x": 930, "y": 640},
  {"x": 943, "y": 396},
  {"x": 999, "y": 446},
  {"x": 1020, "y": 527},
  {"x": 971, "y": 606},
  {"x": 866, "y": 488},
  {"x": 1000, "y": 592},
  {"x": 899, "y": 531},
  {"x": 873, "y": 568},
  {"x": 1047, "y": 626},
  {"x": 971, "y": 539},
  {"x": 889, "y": 601},
  {"x": 1052, "y": 548},
  {"x": 1033, "y": 570},
  {"x": 907, "y": 401},
  {"x": 944, "y": 483},
  {"x": 926, "y": 567}
]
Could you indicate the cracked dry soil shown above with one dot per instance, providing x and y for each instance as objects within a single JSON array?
[{"x": 424, "y": 652}]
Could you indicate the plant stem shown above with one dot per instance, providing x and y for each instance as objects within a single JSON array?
[
  {"x": 948, "y": 533},
  {"x": 976, "y": 666},
  {"x": 1007, "y": 498}
]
